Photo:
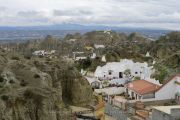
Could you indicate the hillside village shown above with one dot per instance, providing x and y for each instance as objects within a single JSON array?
[
  {"x": 132, "y": 76},
  {"x": 123, "y": 83}
]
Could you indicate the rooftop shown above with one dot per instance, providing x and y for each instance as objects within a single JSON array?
[
  {"x": 167, "y": 109},
  {"x": 167, "y": 81},
  {"x": 142, "y": 87}
]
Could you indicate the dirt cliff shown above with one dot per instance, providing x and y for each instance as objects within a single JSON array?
[{"x": 38, "y": 89}]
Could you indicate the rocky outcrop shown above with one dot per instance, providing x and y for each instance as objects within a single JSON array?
[
  {"x": 33, "y": 90},
  {"x": 75, "y": 88}
]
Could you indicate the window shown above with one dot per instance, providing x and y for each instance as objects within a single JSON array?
[
  {"x": 110, "y": 73},
  {"x": 136, "y": 72},
  {"x": 120, "y": 75}
]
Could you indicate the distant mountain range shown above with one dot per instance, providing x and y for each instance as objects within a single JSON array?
[
  {"x": 72, "y": 27},
  {"x": 61, "y": 30}
]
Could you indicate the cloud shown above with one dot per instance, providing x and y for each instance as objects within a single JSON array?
[
  {"x": 2, "y": 8},
  {"x": 139, "y": 13},
  {"x": 73, "y": 12}
]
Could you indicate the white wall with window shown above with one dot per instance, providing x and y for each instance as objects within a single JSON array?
[{"x": 115, "y": 70}]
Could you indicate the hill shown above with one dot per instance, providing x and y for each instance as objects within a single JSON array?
[{"x": 36, "y": 88}]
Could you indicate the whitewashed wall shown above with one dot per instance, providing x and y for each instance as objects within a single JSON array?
[
  {"x": 178, "y": 86},
  {"x": 142, "y": 69},
  {"x": 168, "y": 91}
]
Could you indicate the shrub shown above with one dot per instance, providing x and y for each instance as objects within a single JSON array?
[
  {"x": 4, "y": 97},
  {"x": 36, "y": 76},
  {"x": 28, "y": 94},
  {"x": 11, "y": 81},
  {"x": 23, "y": 83},
  {"x": 15, "y": 58},
  {"x": 1, "y": 79},
  {"x": 27, "y": 57},
  {"x": 137, "y": 78}
]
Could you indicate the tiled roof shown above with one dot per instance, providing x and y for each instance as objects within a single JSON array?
[{"x": 142, "y": 87}]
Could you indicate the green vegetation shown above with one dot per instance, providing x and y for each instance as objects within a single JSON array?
[
  {"x": 165, "y": 51},
  {"x": 84, "y": 64},
  {"x": 137, "y": 78},
  {"x": 4, "y": 97},
  {"x": 15, "y": 58}
]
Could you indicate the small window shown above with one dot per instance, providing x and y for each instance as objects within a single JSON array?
[
  {"x": 110, "y": 73},
  {"x": 120, "y": 75},
  {"x": 136, "y": 72}
]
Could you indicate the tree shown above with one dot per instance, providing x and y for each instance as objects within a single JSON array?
[{"x": 127, "y": 74}]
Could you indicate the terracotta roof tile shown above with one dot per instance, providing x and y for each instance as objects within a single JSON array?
[{"x": 142, "y": 87}]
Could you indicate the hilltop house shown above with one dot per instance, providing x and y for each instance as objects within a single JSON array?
[
  {"x": 115, "y": 70},
  {"x": 99, "y": 46},
  {"x": 79, "y": 56},
  {"x": 93, "y": 56},
  {"x": 39, "y": 53},
  {"x": 103, "y": 59},
  {"x": 83, "y": 56},
  {"x": 147, "y": 54},
  {"x": 145, "y": 90},
  {"x": 43, "y": 52},
  {"x": 72, "y": 40}
]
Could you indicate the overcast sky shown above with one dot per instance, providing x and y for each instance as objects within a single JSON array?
[{"x": 126, "y": 13}]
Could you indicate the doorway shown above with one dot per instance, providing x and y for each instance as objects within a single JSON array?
[{"x": 120, "y": 75}]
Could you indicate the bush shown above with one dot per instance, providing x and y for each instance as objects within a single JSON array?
[
  {"x": 28, "y": 94},
  {"x": 23, "y": 83},
  {"x": 15, "y": 58},
  {"x": 36, "y": 76},
  {"x": 11, "y": 81},
  {"x": 137, "y": 78},
  {"x": 1, "y": 79},
  {"x": 4, "y": 97},
  {"x": 27, "y": 57}
]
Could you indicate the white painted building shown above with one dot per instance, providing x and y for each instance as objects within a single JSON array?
[
  {"x": 147, "y": 54},
  {"x": 99, "y": 46},
  {"x": 169, "y": 90},
  {"x": 93, "y": 56},
  {"x": 107, "y": 32},
  {"x": 79, "y": 56},
  {"x": 103, "y": 59},
  {"x": 141, "y": 89},
  {"x": 52, "y": 51},
  {"x": 43, "y": 52},
  {"x": 115, "y": 70},
  {"x": 39, "y": 53},
  {"x": 147, "y": 91},
  {"x": 166, "y": 113},
  {"x": 72, "y": 40}
]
